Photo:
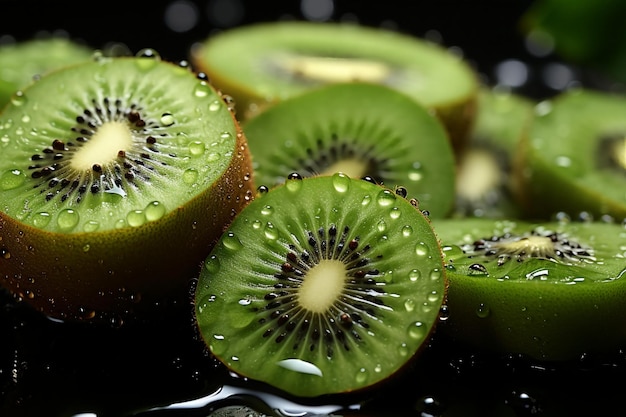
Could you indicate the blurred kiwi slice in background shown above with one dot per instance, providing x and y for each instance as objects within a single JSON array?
[
  {"x": 484, "y": 167},
  {"x": 322, "y": 285},
  {"x": 261, "y": 64},
  {"x": 362, "y": 130},
  {"x": 22, "y": 61},
  {"x": 553, "y": 291},
  {"x": 572, "y": 158},
  {"x": 117, "y": 175}
]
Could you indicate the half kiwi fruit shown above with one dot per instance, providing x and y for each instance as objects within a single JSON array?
[
  {"x": 22, "y": 61},
  {"x": 573, "y": 158},
  {"x": 263, "y": 63},
  {"x": 359, "y": 129},
  {"x": 116, "y": 177},
  {"x": 552, "y": 291},
  {"x": 484, "y": 168},
  {"x": 322, "y": 285}
]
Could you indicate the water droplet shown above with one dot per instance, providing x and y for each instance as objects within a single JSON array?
[
  {"x": 154, "y": 211},
  {"x": 167, "y": 119},
  {"x": 256, "y": 224},
  {"x": 361, "y": 376},
  {"x": 214, "y": 156},
  {"x": 18, "y": 98},
  {"x": 190, "y": 176},
  {"x": 67, "y": 219},
  {"x": 414, "y": 275},
  {"x": 293, "y": 184},
  {"x": 395, "y": 213},
  {"x": 483, "y": 311},
  {"x": 403, "y": 350},
  {"x": 232, "y": 242},
  {"x": 267, "y": 210},
  {"x": 366, "y": 200},
  {"x": 91, "y": 226},
  {"x": 244, "y": 302},
  {"x": 409, "y": 305},
  {"x": 436, "y": 274},
  {"x": 298, "y": 365},
  {"x": 386, "y": 198},
  {"x": 452, "y": 251},
  {"x": 407, "y": 231},
  {"x": 226, "y": 136},
  {"x": 270, "y": 232},
  {"x": 218, "y": 344},
  {"x": 25, "y": 118},
  {"x": 341, "y": 182},
  {"x": 202, "y": 89},
  {"x": 215, "y": 105},
  {"x": 433, "y": 296},
  {"x": 12, "y": 179},
  {"x": 212, "y": 264},
  {"x": 421, "y": 249},
  {"x": 415, "y": 174},
  {"x": 381, "y": 226},
  {"x": 417, "y": 330},
  {"x": 196, "y": 148},
  {"x": 120, "y": 224},
  {"x": 86, "y": 248},
  {"x": 41, "y": 219},
  {"x": 136, "y": 218}
]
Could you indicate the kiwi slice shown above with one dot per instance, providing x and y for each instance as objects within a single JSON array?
[
  {"x": 322, "y": 285},
  {"x": 116, "y": 177},
  {"x": 573, "y": 158},
  {"x": 21, "y": 62},
  {"x": 260, "y": 64},
  {"x": 361, "y": 130},
  {"x": 484, "y": 170},
  {"x": 552, "y": 290}
]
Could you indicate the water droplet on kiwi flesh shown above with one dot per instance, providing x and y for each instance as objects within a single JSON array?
[{"x": 52, "y": 165}]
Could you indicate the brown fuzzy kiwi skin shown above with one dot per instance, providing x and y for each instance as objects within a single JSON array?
[{"x": 121, "y": 276}]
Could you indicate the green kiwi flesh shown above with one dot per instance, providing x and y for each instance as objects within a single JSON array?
[
  {"x": 21, "y": 62},
  {"x": 267, "y": 62},
  {"x": 553, "y": 291},
  {"x": 361, "y": 130},
  {"x": 116, "y": 177},
  {"x": 484, "y": 169},
  {"x": 322, "y": 285},
  {"x": 573, "y": 158}
]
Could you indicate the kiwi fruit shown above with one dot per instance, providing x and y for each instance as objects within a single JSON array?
[
  {"x": 484, "y": 168},
  {"x": 573, "y": 158},
  {"x": 263, "y": 63},
  {"x": 359, "y": 129},
  {"x": 553, "y": 291},
  {"x": 117, "y": 175},
  {"x": 22, "y": 61},
  {"x": 322, "y": 285}
]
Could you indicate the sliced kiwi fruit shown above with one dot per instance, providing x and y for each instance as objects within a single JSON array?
[
  {"x": 573, "y": 158},
  {"x": 359, "y": 129},
  {"x": 553, "y": 291},
  {"x": 261, "y": 64},
  {"x": 116, "y": 177},
  {"x": 322, "y": 285},
  {"x": 484, "y": 169},
  {"x": 22, "y": 61}
]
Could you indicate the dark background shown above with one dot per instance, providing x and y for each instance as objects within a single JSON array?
[{"x": 487, "y": 32}]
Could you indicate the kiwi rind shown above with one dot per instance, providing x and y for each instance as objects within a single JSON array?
[
  {"x": 244, "y": 283},
  {"x": 353, "y": 124},
  {"x": 562, "y": 164},
  {"x": 119, "y": 273},
  {"x": 547, "y": 309},
  {"x": 22, "y": 61},
  {"x": 246, "y": 62},
  {"x": 484, "y": 167}
]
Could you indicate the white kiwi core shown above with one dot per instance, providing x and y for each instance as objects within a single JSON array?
[
  {"x": 322, "y": 285},
  {"x": 478, "y": 174},
  {"x": 337, "y": 69},
  {"x": 104, "y": 146},
  {"x": 353, "y": 168}
]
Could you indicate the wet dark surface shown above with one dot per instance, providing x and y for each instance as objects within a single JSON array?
[{"x": 162, "y": 369}]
